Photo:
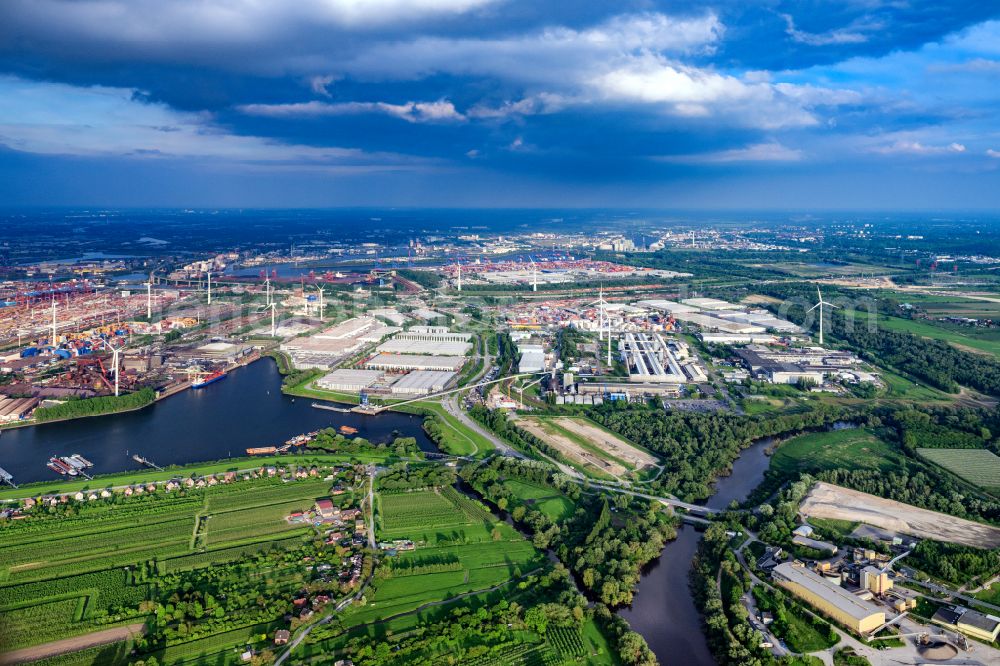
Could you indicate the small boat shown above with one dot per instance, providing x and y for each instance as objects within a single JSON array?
[
  {"x": 348, "y": 430},
  {"x": 261, "y": 450}
]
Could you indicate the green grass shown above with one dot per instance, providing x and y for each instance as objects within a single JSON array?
[
  {"x": 547, "y": 500},
  {"x": 977, "y": 466},
  {"x": 252, "y": 523},
  {"x": 853, "y": 448},
  {"x": 458, "y": 439}
]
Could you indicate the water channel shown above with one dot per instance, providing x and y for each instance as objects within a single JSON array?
[
  {"x": 222, "y": 420},
  {"x": 663, "y": 609}
]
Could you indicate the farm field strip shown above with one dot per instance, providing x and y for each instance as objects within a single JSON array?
[
  {"x": 977, "y": 466},
  {"x": 423, "y": 508},
  {"x": 266, "y": 495}
]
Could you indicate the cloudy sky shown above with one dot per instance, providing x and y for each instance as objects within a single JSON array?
[{"x": 857, "y": 104}]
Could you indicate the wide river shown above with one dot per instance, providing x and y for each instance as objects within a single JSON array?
[
  {"x": 663, "y": 609},
  {"x": 219, "y": 421}
]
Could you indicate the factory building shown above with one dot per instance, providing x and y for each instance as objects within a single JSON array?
[
  {"x": 428, "y": 345},
  {"x": 433, "y": 334},
  {"x": 975, "y": 624},
  {"x": 829, "y": 598},
  {"x": 422, "y": 382},
  {"x": 532, "y": 358},
  {"x": 397, "y": 362},
  {"x": 15, "y": 409},
  {"x": 346, "y": 379},
  {"x": 876, "y": 580}
]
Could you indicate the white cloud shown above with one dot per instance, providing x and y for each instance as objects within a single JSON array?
[
  {"x": 760, "y": 152},
  {"x": 59, "y": 119},
  {"x": 855, "y": 33},
  {"x": 320, "y": 84},
  {"x": 908, "y": 147},
  {"x": 993, "y": 153},
  {"x": 414, "y": 112}
]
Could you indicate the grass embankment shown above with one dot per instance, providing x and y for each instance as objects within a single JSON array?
[{"x": 197, "y": 469}]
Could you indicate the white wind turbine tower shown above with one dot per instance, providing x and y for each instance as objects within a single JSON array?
[
  {"x": 209, "y": 274},
  {"x": 149, "y": 298},
  {"x": 459, "y": 275},
  {"x": 114, "y": 361},
  {"x": 267, "y": 288},
  {"x": 534, "y": 275},
  {"x": 820, "y": 305},
  {"x": 53, "y": 341}
]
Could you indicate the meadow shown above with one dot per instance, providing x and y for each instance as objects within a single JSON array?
[{"x": 855, "y": 448}]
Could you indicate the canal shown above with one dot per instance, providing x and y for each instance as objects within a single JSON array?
[
  {"x": 663, "y": 610},
  {"x": 219, "y": 421}
]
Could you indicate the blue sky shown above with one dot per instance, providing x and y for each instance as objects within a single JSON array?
[{"x": 813, "y": 104}]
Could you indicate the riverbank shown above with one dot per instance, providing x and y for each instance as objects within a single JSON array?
[{"x": 219, "y": 421}]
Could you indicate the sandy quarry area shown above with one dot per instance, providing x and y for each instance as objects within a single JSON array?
[
  {"x": 605, "y": 441},
  {"x": 569, "y": 448},
  {"x": 829, "y": 501}
]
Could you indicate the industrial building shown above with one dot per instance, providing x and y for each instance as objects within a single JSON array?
[
  {"x": 532, "y": 358},
  {"x": 15, "y": 409},
  {"x": 397, "y": 362},
  {"x": 424, "y": 345},
  {"x": 422, "y": 382},
  {"x": 794, "y": 364},
  {"x": 829, "y": 598},
  {"x": 651, "y": 358},
  {"x": 326, "y": 348},
  {"x": 975, "y": 624},
  {"x": 346, "y": 379}
]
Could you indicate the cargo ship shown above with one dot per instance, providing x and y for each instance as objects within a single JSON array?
[
  {"x": 262, "y": 450},
  {"x": 348, "y": 430},
  {"x": 210, "y": 379}
]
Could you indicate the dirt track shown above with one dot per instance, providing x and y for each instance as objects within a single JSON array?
[
  {"x": 829, "y": 501},
  {"x": 70, "y": 644}
]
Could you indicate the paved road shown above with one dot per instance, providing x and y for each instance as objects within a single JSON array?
[
  {"x": 66, "y": 645},
  {"x": 672, "y": 501},
  {"x": 453, "y": 408},
  {"x": 947, "y": 590}
]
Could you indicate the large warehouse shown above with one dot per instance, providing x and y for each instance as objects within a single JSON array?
[
  {"x": 422, "y": 382},
  {"x": 414, "y": 362},
  {"x": 346, "y": 379},
  {"x": 829, "y": 598},
  {"x": 401, "y": 345}
]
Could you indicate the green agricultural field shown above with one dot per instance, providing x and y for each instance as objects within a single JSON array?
[
  {"x": 87, "y": 567},
  {"x": 852, "y": 448},
  {"x": 469, "y": 551},
  {"x": 977, "y": 466}
]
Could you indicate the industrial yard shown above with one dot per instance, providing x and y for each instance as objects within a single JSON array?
[{"x": 833, "y": 502}]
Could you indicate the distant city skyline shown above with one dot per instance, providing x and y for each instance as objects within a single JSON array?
[{"x": 789, "y": 105}]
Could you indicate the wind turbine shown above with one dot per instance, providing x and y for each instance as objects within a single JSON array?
[
  {"x": 209, "y": 274},
  {"x": 114, "y": 361},
  {"x": 267, "y": 288},
  {"x": 149, "y": 298},
  {"x": 271, "y": 307},
  {"x": 820, "y": 305},
  {"x": 601, "y": 316},
  {"x": 459, "y": 275},
  {"x": 534, "y": 275},
  {"x": 53, "y": 341}
]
